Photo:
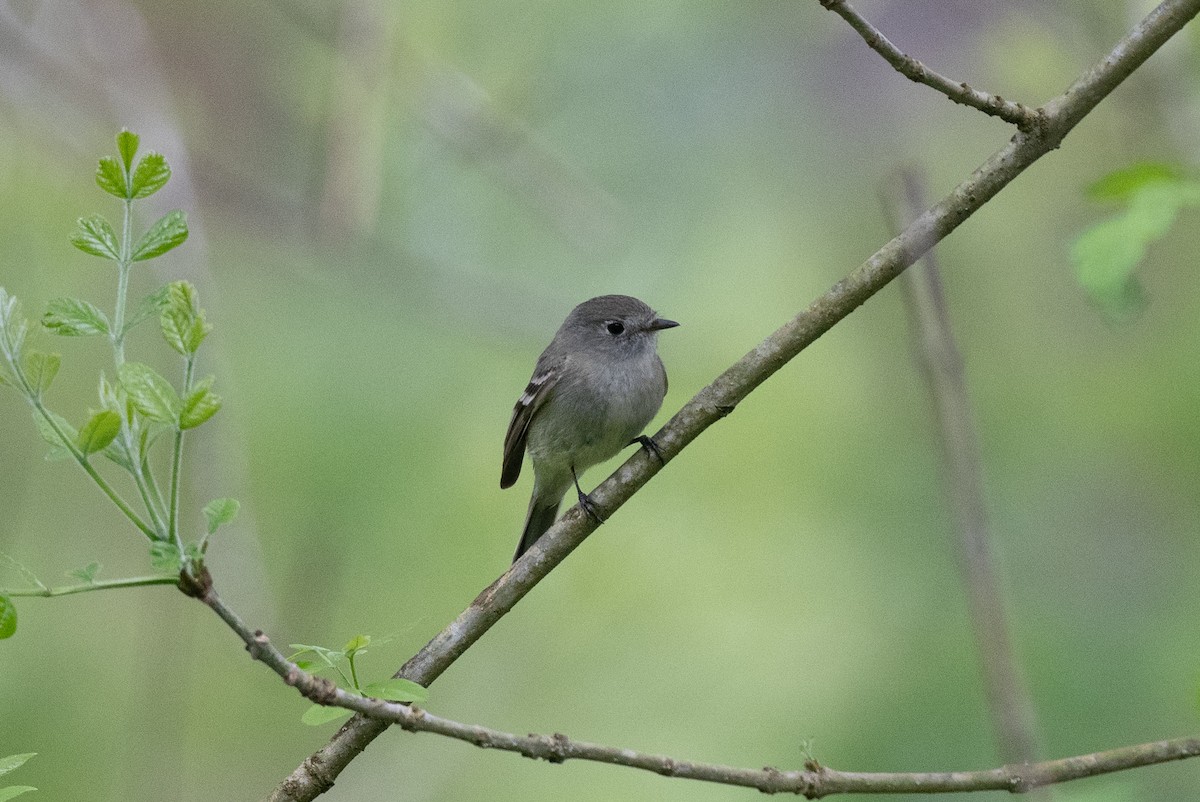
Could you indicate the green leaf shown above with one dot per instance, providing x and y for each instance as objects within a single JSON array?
[
  {"x": 87, "y": 573},
  {"x": 166, "y": 557},
  {"x": 110, "y": 177},
  {"x": 151, "y": 394},
  {"x": 169, "y": 232},
  {"x": 127, "y": 145},
  {"x": 328, "y": 656},
  {"x": 396, "y": 690},
  {"x": 200, "y": 405},
  {"x": 14, "y": 791},
  {"x": 40, "y": 370},
  {"x": 221, "y": 511},
  {"x": 94, "y": 235},
  {"x": 183, "y": 324},
  {"x": 148, "y": 307},
  {"x": 1107, "y": 254},
  {"x": 71, "y": 317},
  {"x": 1122, "y": 183},
  {"x": 13, "y": 762},
  {"x": 58, "y": 449},
  {"x": 118, "y": 453},
  {"x": 8, "y": 623},
  {"x": 99, "y": 431},
  {"x": 356, "y": 644},
  {"x": 151, "y": 175},
  {"x": 317, "y": 715},
  {"x": 13, "y": 326}
]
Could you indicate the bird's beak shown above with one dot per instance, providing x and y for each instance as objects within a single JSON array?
[{"x": 661, "y": 323}]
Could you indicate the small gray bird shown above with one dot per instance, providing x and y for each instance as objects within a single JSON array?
[{"x": 593, "y": 390}]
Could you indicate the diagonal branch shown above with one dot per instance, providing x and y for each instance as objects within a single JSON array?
[
  {"x": 1019, "y": 115},
  {"x": 813, "y": 782},
  {"x": 317, "y": 773}
]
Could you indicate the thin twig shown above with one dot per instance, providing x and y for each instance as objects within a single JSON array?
[
  {"x": 814, "y": 781},
  {"x": 99, "y": 584},
  {"x": 1019, "y": 115},
  {"x": 317, "y": 773}
]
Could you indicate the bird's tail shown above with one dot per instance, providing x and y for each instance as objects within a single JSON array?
[{"x": 540, "y": 518}]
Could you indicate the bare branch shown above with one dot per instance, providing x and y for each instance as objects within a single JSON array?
[
  {"x": 1019, "y": 115},
  {"x": 718, "y": 399},
  {"x": 814, "y": 781}
]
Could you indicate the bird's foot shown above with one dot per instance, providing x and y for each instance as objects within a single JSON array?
[
  {"x": 647, "y": 442},
  {"x": 585, "y": 501}
]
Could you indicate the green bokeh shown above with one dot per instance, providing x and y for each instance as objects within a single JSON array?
[{"x": 392, "y": 208}]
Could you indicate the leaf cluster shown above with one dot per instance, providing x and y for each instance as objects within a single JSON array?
[
  {"x": 137, "y": 407},
  {"x": 315, "y": 659}
]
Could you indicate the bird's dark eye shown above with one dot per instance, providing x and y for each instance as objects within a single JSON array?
[{"x": 615, "y": 327}]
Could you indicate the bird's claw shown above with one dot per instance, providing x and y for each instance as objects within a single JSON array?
[
  {"x": 585, "y": 501},
  {"x": 647, "y": 442}
]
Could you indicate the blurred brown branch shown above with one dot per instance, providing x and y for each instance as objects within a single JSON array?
[
  {"x": 317, "y": 773},
  {"x": 944, "y": 369},
  {"x": 1018, "y": 114}
]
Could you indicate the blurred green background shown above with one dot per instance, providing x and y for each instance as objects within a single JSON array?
[{"x": 393, "y": 205}]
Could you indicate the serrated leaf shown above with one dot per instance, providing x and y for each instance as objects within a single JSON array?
[
  {"x": 13, "y": 762},
  {"x": 200, "y": 405},
  {"x": 151, "y": 175},
  {"x": 87, "y": 573},
  {"x": 1122, "y": 183},
  {"x": 8, "y": 620},
  {"x": 221, "y": 511},
  {"x": 169, "y": 232},
  {"x": 396, "y": 690},
  {"x": 182, "y": 319},
  {"x": 150, "y": 393},
  {"x": 95, "y": 235},
  {"x": 148, "y": 307},
  {"x": 127, "y": 145},
  {"x": 317, "y": 715},
  {"x": 14, "y": 791},
  {"x": 166, "y": 557},
  {"x": 100, "y": 430},
  {"x": 110, "y": 177},
  {"x": 40, "y": 370},
  {"x": 58, "y": 449},
  {"x": 72, "y": 317}
]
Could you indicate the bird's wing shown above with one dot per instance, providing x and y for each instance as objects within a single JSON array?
[{"x": 536, "y": 393}]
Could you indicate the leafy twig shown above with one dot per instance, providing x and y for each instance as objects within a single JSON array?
[{"x": 99, "y": 584}]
